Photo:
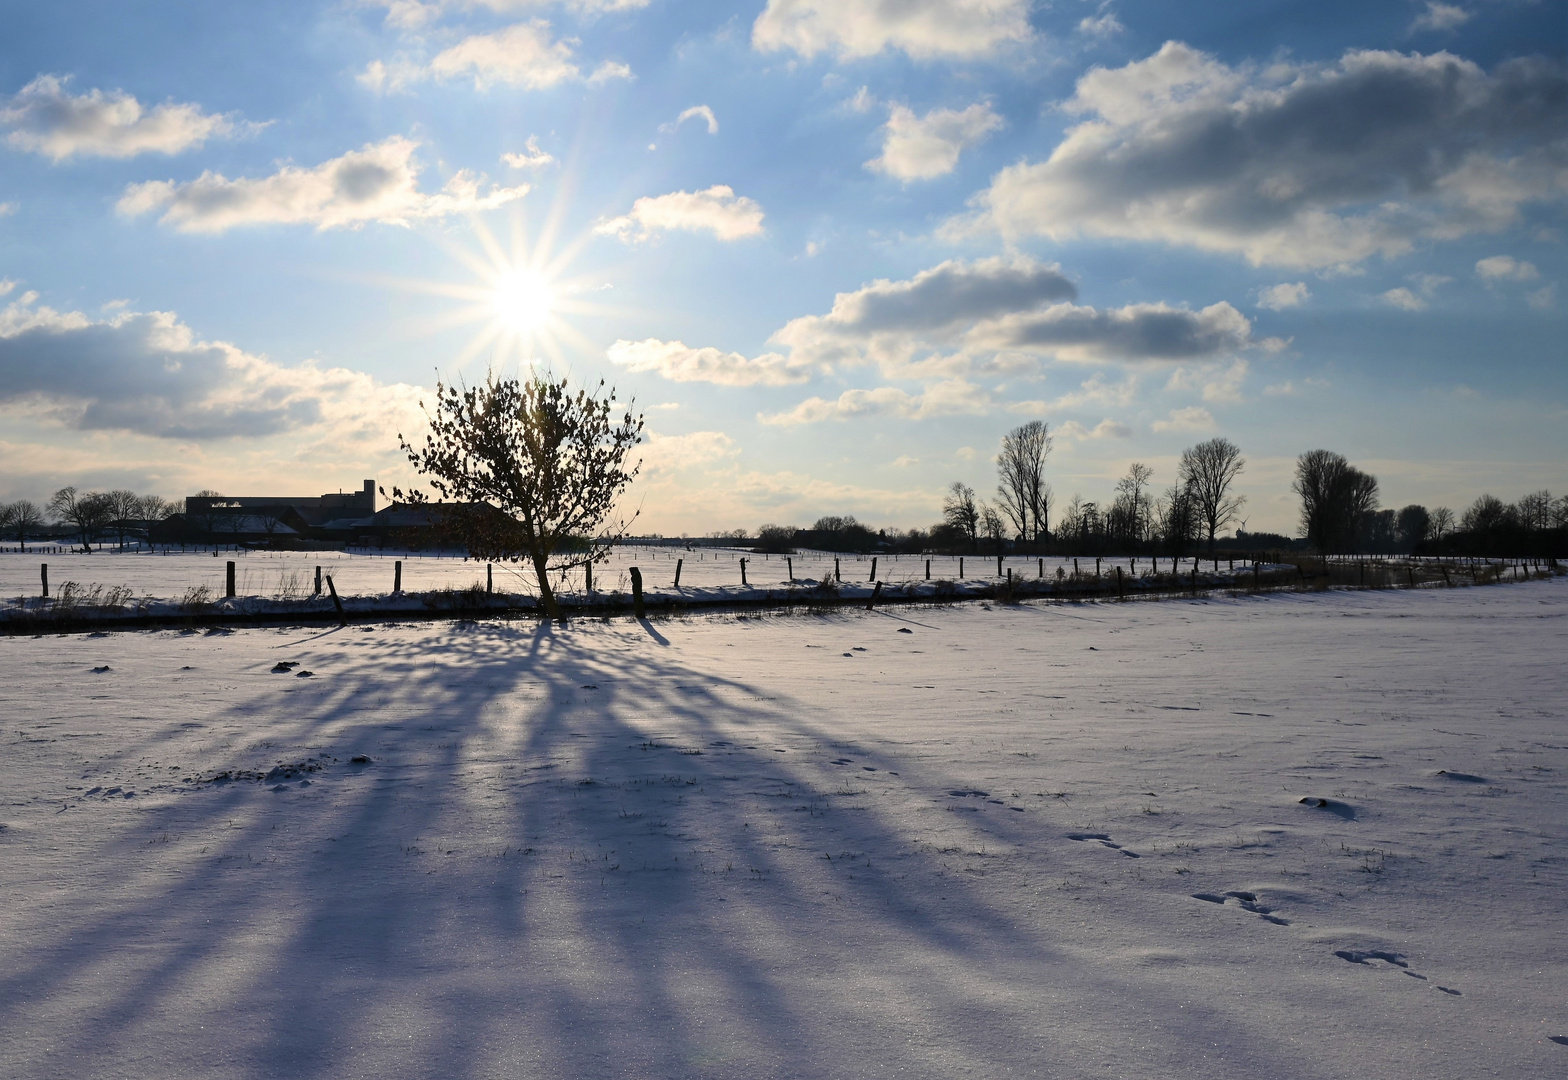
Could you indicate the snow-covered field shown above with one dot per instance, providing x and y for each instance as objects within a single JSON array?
[
  {"x": 274, "y": 574},
  {"x": 1052, "y": 840}
]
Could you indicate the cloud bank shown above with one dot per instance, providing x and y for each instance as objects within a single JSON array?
[
  {"x": 1304, "y": 165},
  {"x": 149, "y": 374}
]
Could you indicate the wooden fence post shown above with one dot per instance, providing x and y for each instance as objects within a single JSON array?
[
  {"x": 836, "y": 575},
  {"x": 588, "y": 576},
  {"x": 637, "y": 608},
  {"x": 318, "y": 581},
  {"x": 998, "y": 566},
  {"x": 43, "y": 572},
  {"x": 678, "y": 564},
  {"x": 873, "y": 576},
  {"x": 875, "y": 593},
  {"x": 791, "y": 563},
  {"x": 960, "y": 568},
  {"x": 928, "y": 569},
  {"x": 397, "y": 576},
  {"x": 229, "y": 578},
  {"x": 489, "y": 578},
  {"x": 1097, "y": 568},
  {"x": 743, "y": 573},
  {"x": 1041, "y": 574},
  {"x": 333, "y": 589},
  {"x": 1121, "y": 590}
]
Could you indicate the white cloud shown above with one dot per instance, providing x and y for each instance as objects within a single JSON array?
[
  {"x": 149, "y": 374},
  {"x": 1505, "y": 268},
  {"x": 923, "y": 147},
  {"x": 1192, "y": 418},
  {"x": 925, "y": 29},
  {"x": 46, "y": 119},
  {"x": 696, "y": 112},
  {"x": 1284, "y": 295},
  {"x": 1100, "y": 26},
  {"x": 672, "y": 453},
  {"x": 1544, "y": 298},
  {"x": 377, "y": 183},
  {"x": 1136, "y": 332},
  {"x": 1073, "y": 431},
  {"x": 949, "y": 398},
  {"x": 1438, "y": 16},
  {"x": 677, "y": 362},
  {"x": 523, "y": 55},
  {"x": 717, "y": 210},
  {"x": 1216, "y": 383},
  {"x": 1403, "y": 299},
  {"x": 531, "y": 156},
  {"x": 1308, "y": 165}
]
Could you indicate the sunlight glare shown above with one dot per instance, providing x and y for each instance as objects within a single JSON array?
[{"x": 523, "y": 301}]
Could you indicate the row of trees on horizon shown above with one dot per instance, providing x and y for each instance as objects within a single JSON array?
[{"x": 1340, "y": 513}]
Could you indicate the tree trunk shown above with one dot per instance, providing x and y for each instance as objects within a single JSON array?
[{"x": 546, "y": 594}]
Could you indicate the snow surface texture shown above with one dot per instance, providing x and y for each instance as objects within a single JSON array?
[{"x": 1049, "y": 840}]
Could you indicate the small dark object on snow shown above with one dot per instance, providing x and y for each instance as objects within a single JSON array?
[
  {"x": 1321, "y": 804},
  {"x": 1093, "y": 648},
  {"x": 359, "y": 759},
  {"x": 590, "y": 686},
  {"x": 285, "y": 665},
  {"x": 1462, "y": 777},
  {"x": 101, "y": 670},
  {"x": 970, "y": 793},
  {"x": 905, "y": 630},
  {"x": 303, "y": 674}
]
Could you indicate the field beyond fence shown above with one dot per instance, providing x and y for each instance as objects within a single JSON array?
[{"x": 73, "y": 590}]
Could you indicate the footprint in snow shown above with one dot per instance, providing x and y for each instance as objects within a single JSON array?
[
  {"x": 1365, "y": 958},
  {"x": 1247, "y": 902},
  {"x": 1105, "y": 841}
]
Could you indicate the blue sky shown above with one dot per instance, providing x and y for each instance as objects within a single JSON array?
[{"x": 835, "y": 248}]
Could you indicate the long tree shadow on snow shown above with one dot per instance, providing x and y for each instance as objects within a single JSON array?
[{"x": 539, "y": 870}]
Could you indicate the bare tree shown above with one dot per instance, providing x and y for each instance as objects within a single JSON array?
[
  {"x": 1179, "y": 518},
  {"x": 25, "y": 517},
  {"x": 1206, "y": 473},
  {"x": 1534, "y": 511},
  {"x": 1413, "y": 526},
  {"x": 1560, "y": 512},
  {"x": 1133, "y": 511},
  {"x": 1022, "y": 492},
  {"x": 87, "y": 514},
  {"x": 994, "y": 528},
  {"x": 1335, "y": 497},
  {"x": 553, "y": 464},
  {"x": 959, "y": 511},
  {"x": 1442, "y": 523},
  {"x": 1484, "y": 515},
  {"x": 125, "y": 508}
]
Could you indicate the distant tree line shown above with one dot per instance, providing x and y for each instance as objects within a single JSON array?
[
  {"x": 1340, "y": 514},
  {"x": 86, "y": 517}
]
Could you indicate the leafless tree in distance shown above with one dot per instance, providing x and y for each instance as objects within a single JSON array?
[
  {"x": 551, "y": 461},
  {"x": 25, "y": 517},
  {"x": 1207, "y": 472},
  {"x": 1132, "y": 513},
  {"x": 125, "y": 509},
  {"x": 959, "y": 511},
  {"x": 1442, "y": 523},
  {"x": 1335, "y": 496},
  {"x": 1022, "y": 492},
  {"x": 87, "y": 513}
]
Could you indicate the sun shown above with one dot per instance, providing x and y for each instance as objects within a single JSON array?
[
  {"x": 522, "y": 300},
  {"x": 520, "y": 297}
]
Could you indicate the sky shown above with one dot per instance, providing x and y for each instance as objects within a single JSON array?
[{"x": 833, "y": 249}]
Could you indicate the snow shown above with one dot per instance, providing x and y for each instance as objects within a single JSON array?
[
  {"x": 799, "y": 846},
  {"x": 272, "y": 582}
]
